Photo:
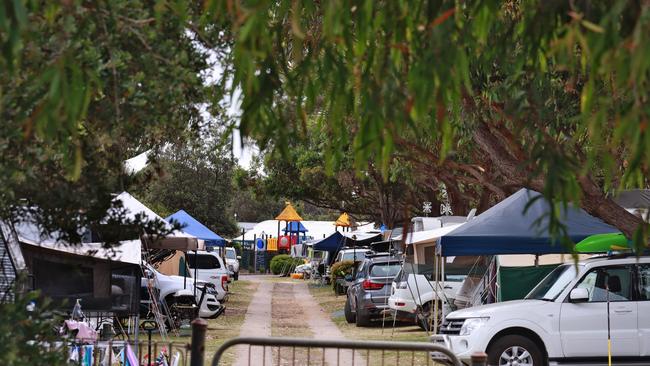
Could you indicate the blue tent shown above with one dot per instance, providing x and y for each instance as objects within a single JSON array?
[
  {"x": 295, "y": 227},
  {"x": 193, "y": 227},
  {"x": 506, "y": 229},
  {"x": 330, "y": 244}
]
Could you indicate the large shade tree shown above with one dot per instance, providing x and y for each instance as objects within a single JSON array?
[
  {"x": 85, "y": 86},
  {"x": 549, "y": 95}
]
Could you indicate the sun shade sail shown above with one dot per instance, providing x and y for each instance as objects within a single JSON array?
[
  {"x": 194, "y": 227},
  {"x": 506, "y": 229}
]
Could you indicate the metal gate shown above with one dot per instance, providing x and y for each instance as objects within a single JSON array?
[{"x": 270, "y": 351}]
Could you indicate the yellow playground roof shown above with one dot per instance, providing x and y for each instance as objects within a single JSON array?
[
  {"x": 343, "y": 220},
  {"x": 289, "y": 214}
]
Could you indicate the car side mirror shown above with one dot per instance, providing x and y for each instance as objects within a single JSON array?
[
  {"x": 579, "y": 295},
  {"x": 239, "y": 257}
]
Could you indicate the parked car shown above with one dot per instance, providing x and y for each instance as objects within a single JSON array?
[
  {"x": 367, "y": 296},
  {"x": 413, "y": 296},
  {"x": 210, "y": 268},
  {"x": 357, "y": 255},
  {"x": 177, "y": 299},
  {"x": 563, "y": 319},
  {"x": 232, "y": 261}
]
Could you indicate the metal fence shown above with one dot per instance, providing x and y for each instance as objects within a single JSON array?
[{"x": 270, "y": 351}]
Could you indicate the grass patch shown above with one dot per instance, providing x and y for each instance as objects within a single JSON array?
[{"x": 379, "y": 330}]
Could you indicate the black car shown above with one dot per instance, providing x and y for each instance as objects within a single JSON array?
[{"x": 367, "y": 296}]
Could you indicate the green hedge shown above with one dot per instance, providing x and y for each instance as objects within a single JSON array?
[
  {"x": 340, "y": 269},
  {"x": 283, "y": 264}
]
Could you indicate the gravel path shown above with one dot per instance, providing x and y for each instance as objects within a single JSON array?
[{"x": 258, "y": 322}]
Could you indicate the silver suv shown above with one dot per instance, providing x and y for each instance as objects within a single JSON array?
[{"x": 367, "y": 296}]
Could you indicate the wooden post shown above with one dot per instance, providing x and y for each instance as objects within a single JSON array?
[
  {"x": 479, "y": 359},
  {"x": 199, "y": 328}
]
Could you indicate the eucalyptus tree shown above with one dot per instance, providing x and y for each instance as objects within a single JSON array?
[
  {"x": 549, "y": 95},
  {"x": 85, "y": 86}
]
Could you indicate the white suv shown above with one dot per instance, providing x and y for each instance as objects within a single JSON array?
[
  {"x": 232, "y": 261},
  {"x": 209, "y": 267},
  {"x": 563, "y": 319},
  {"x": 413, "y": 296}
]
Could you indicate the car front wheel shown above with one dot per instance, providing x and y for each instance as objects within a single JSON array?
[{"x": 514, "y": 350}]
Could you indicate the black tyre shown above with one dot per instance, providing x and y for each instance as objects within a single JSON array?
[
  {"x": 349, "y": 315},
  {"x": 515, "y": 350},
  {"x": 236, "y": 276},
  {"x": 425, "y": 317},
  {"x": 363, "y": 319}
]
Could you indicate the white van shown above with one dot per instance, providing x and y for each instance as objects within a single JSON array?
[{"x": 209, "y": 267}]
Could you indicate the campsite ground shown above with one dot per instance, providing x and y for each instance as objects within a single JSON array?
[
  {"x": 296, "y": 308},
  {"x": 282, "y": 307}
]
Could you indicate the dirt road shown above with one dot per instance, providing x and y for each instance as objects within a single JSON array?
[{"x": 287, "y": 309}]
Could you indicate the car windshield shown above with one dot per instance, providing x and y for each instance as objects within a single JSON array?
[
  {"x": 554, "y": 283},
  {"x": 353, "y": 256},
  {"x": 230, "y": 254}
]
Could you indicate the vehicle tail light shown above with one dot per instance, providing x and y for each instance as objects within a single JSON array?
[
  {"x": 369, "y": 285},
  {"x": 400, "y": 304},
  {"x": 224, "y": 282}
]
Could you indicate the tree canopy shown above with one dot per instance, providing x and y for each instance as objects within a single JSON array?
[
  {"x": 548, "y": 95},
  {"x": 487, "y": 96}
]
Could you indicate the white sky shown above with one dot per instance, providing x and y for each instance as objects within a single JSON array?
[{"x": 244, "y": 154}]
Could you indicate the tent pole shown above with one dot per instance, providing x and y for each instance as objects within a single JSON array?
[
  {"x": 185, "y": 271},
  {"x": 442, "y": 290},
  {"x": 196, "y": 266}
]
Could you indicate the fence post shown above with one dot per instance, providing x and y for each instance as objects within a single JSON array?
[
  {"x": 199, "y": 327},
  {"x": 479, "y": 359}
]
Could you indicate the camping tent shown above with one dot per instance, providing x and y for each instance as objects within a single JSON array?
[
  {"x": 194, "y": 227},
  {"x": 177, "y": 240},
  {"x": 332, "y": 243},
  {"x": 518, "y": 225}
]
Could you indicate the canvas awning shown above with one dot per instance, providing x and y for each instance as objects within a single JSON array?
[
  {"x": 507, "y": 229},
  {"x": 177, "y": 240},
  {"x": 428, "y": 236},
  {"x": 194, "y": 227},
  {"x": 125, "y": 251}
]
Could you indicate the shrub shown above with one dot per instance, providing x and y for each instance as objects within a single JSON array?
[
  {"x": 340, "y": 269},
  {"x": 283, "y": 264}
]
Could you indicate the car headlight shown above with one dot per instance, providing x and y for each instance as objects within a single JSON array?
[{"x": 471, "y": 325}]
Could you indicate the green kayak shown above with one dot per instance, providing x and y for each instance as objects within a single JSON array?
[{"x": 603, "y": 243}]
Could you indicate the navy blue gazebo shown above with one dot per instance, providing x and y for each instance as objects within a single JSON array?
[
  {"x": 519, "y": 225},
  {"x": 194, "y": 227}
]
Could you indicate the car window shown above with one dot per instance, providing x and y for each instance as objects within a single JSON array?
[
  {"x": 617, "y": 278},
  {"x": 231, "y": 254},
  {"x": 203, "y": 261},
  {"x": 354, "y": 256},
  {"x": 644, "y": 282},
  {"x": 385, "y": 269}
]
